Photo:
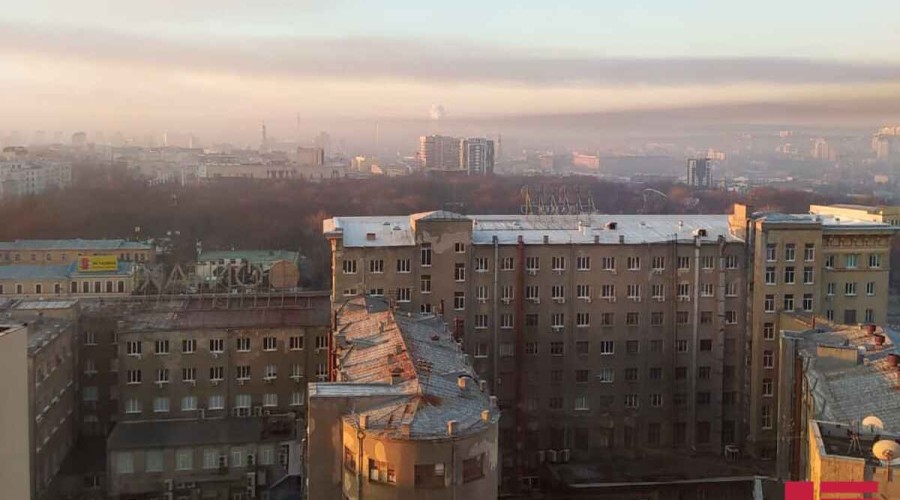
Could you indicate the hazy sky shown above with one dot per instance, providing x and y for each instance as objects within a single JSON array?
[{"x": 221, "y": 67}]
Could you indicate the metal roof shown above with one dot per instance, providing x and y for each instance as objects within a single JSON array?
[
  {"x": 75, "y": 244},
  {"x": 411, "y": 357},
  {"x": 34, "y": 272},
  {"x": 253, "y": 256},
  {"x": 172, "y": 433}
]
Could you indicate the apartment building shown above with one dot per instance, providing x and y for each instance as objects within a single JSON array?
[
  {"x": 216, "y": 459},
  {"x": 66, "y": 280},
  {"x": 39, "y": 406},
  {"x": 598, "y": 334},
  {"x": 23, "y": 177},
  {"x": 62, "y": 252},
  {"x": 827, "y": 262},
  {"x": 406, "y": 416}
]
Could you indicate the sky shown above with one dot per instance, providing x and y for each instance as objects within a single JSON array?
[{"x": 220, "y": 68}]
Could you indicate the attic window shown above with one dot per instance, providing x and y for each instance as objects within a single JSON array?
[{"x": 370, "y": 236}]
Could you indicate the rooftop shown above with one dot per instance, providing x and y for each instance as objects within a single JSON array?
[
  {"x": 835, "y": 439},
  {"x": 214, "y": 431},
  {"x": 849, "y": 374},
  {"x": 415, "y": 363},
  {"x": 42, "y": 331},
  {"x": 76, "y": 244},
  {"x": 56, "y": 272},
  {"x": 254, "y": 256}
]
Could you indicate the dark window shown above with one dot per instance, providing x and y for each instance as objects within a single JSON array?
[{"x": 473, "y": 468}]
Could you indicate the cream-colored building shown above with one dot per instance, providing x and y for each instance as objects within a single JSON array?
[
  {"x": 834, "y": 262},
  {"x": 406, "y": 416},
  {"x": 39, "y": 403},
  {"x": 63, "y": 252},
  {"x": 65, "y": 281}
]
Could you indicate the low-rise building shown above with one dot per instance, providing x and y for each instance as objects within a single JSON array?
[
  {"x": 66, "y": 280},
  {"x": 59, "y": 252},
  {"x": 405, "y": 417},
  {"x": 226, "y": 270}
]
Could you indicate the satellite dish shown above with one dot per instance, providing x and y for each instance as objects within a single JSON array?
[
  {"x": 872, "y": 422},
  {"x": 886, "y": 450}
]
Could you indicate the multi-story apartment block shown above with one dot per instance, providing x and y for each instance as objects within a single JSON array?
[
  {"x": 23, "y": 177},
  {"x": 438, "y": 152},
  {"x": 477, "y": 156},
  {"x": 833, "y": 262},
  {"x": 596, "y": 332},
  {"x": 39, "y": 405},
  {"x": 406, "y": 415},
  {"x": 61, "y": 252}
]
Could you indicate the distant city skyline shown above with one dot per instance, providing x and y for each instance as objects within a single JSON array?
[{"x": 219, "y": 69}]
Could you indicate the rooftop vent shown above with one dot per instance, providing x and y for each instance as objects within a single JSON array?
[
  {"x": 363, "y": 421},
  {"x": 612, "y": 226},
  {"x": 596, "y": 239},
  {"x": 546, "y": 239},
  {"x": 482, "y": 384},
  {"x": 452, "y": 427},
  {"x": 486, "y": 415},
  {"x": 700, "y": 233},
  {"x": 621, "y": 239},
  {"x": 461, "y": 382}
]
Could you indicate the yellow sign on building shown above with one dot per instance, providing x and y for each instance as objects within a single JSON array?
[{"x": 97, "y": 263}]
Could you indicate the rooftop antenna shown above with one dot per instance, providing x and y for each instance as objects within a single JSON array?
[{"x": 853, "y": 434}]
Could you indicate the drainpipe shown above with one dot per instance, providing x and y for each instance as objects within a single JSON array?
[
  {"x": 495, "y": 374},
  {"x": 360, "y": 435},
  {"x": 695, "y": 342}
]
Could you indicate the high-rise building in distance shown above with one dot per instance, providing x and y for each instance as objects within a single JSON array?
[
  {"x": 439, "y": 152},
  {"x": 699, "y": 172},
  {"x": 477, "y": 156}
]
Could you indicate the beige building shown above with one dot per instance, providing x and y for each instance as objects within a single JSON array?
[
  {"x": 834, "y": 262},
  {"x": 598, "y": 334},
  {"x": 438, "y": 152},
  {"x": 264, "y": 171},
  {"x": 65, "y": 281},
  {"x": 311, "y": 157},
  {"x": 833, "y": 456},
  {"x": 63, "y": 252},
  {"x": 39, "y": 415},
  {"x": 216, "y": 459},
  {"x": 406, "y": 416}
]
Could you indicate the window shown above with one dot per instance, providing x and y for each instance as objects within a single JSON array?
[
  {"x": 403, "y": 266},
  {"x": 243, "y": 344},
  {"x": 531, "y": 348},
  {"x": 656, "y": 318},
  {"x": 425, "y": 255},
  {"x": 768, "y": 359},
  {"x": 271, "y": 372},
  {"x": 296, "y": 371},
  {"x": 771, "y": 252},
  {"x": 189, "y": 374},
  {"x": 270, "y": 343},
  {"x": 556, "y": 403},
  {"x": 789, "y": 252},
  {"x": 153, "y": 461},
  {"x": 633, "y": 291},
  {"x": 788, "y": 302},
  {"x": 608, "y": 291},
  {"x": 481, "y": 321},
  {"x": 242, "y": 401},
  {"x": 581, "y": 403},
  {"x": 632, "y": 318},
  {"x": 707, "y": 290},
  {"x": 459, "y": 271},
  {"x": 658, "y": 263},
  {"x": 731, "y": 318},
  {"x": 349, "y": 266},
  {"x": 656, "y": 346},
  {"x": 655, "y": 373},
  {"x": 160, "y": 405},
  {"x": 404, "y": 294},
  {"x": 216, "y": 402},
  {"x": 532, "y": 320},
  {"x": 631, "y": 374},
  {"x": 789, "y": 275},
  {"x": 425, "y": 283},
  {"x": 297, "y": 398},
  {"x": 473, "y": 468},
  {"x": 582, "y": 376},
  {"x": 705, "y": 345},
  {"x": 633, "y": 263},
  {"x": 681, "y": 346},
  {"x": 459, "y": 247},
  {"x": 507, "y": 264},
  {"x": 608, "y": 263},
  {"x": 557, "y": 348},
  {"x": 732, "y": 262},
  {"x": 606, "y": 376},
  {"x": 809, "y": 252},
  {"x": 850, "y": 261},
  {"x": 684, "y": 290},
  {"x": 506, "y": 321},
  {"x": 684, "y": 263},
  {"x": 295, "y": 342},
  {"x": 90, "y": 338},
  {"x": 850, "y": 289},
  {"x": 607, "y": 347},
  {"x": 583, "y": 263},
  {"x": 658, "y": 291},
  {"x": 189, "y": 403},
  {"x": 769, "y": 331},
  {"x": 558, "y": 263},
  {"x": 607, "y": 319},
  {"x": 875, "y": 260},
  {"x": 270, "y": 400},
  {"x": 382, "y": 472},
  {"x": 731, "y": 289},
  {"x": 184, "y": 460},
  {"x": 162, "y": 375},
  {"x": 582, "y": 320},
  {"x": 124, "y": 462},
  {"x": 830, "y": 290},
  {"x": 808, "y": 302},
  {"x": 870, "y": 288},
  {"x": 459, "y": 301},
  {"x": 133, "y": 347},
  {"x": 134, "y": 377},
  {"x": 242, "y": 372},
  {"x": 507, "y": 350},
  {"x": 582, "y": 347},
  {"x": 217, "y": 345},
  {"x": 482, "y": 265},
  {"x": 849, "y": 316},
  {"x": 632, "y": 401},
  {"x": 829, "y": 261},
  {"x": 133, "y": 406},
  {"x": 706, "y": 317},
  {"x": 767, "y": 387},
  {"x": 583, "y": 291},
  {"x": 481, "y": 350},
  {"x": 376, "y": 266},
  {"x": 632, "y": 346},
  {"x": 506, "y": 294},
  {"x": 430, "y": 476},
  {"x": 558, "y": 292},
  {"x": 769, "y": 303},
  {"x": 766, "y": 417},
  {"x": 703, "y": 372},
  {"x": 704, "y": 398},
  {"x": 216, "y": 373},
  {"x": 656, "y": 400},
  {"x": 682, "y": 317},
  {"x": 532, "y": 264},
  {"x": 770, "y": 276},
  {"x": 808, "y": 275},
  {"x": 870, "y": 316},
  {"x": 90, "y": 393}
]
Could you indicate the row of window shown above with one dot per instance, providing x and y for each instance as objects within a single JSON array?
[
  {"x": 585, "y": 438},
  {"x": 108, "y": 286},
  {"x": 216, "y": 345},
  {"x": 607, "y": 319},
  {"x": 790, "y": 252},
  {"x": 605, "y": 347},
  {"x": 533, "y": 264},
  {"x": 17, "y": 257},
  {"x": 434, "y": 475},
  {"x": 242, "y": 403},
  {"x": 217, "y": 374},
  {"x": 630, "y": 401},
  {"x": 607, "y": 375},
  {"x": 212, "y": 458}
]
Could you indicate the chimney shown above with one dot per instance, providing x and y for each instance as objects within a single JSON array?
[
  {"x": 493, "y": 401},
  {"x": 482, "y": 384},
  {"x": 893, "y": 360},
  {"x": 486, "y": 415},
  {"x": 452, "y": 427},
  {"x": 461, "y": 382},
  {"x": 363, "y": 422}
]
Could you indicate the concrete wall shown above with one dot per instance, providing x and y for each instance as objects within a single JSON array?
[{"x": 15, "y": 417}]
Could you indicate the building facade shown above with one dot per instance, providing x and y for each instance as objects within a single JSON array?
[
  {"x": 438, "y": 152},
  {"x": 477, "y": 156},
  {"x": 64, "y": 252},
  {"x": 699, "y": 172},
  {"x": 66, "y": 280},
  {"x": 596, "y": 333},
  {"x": 406, "y": 416}
]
